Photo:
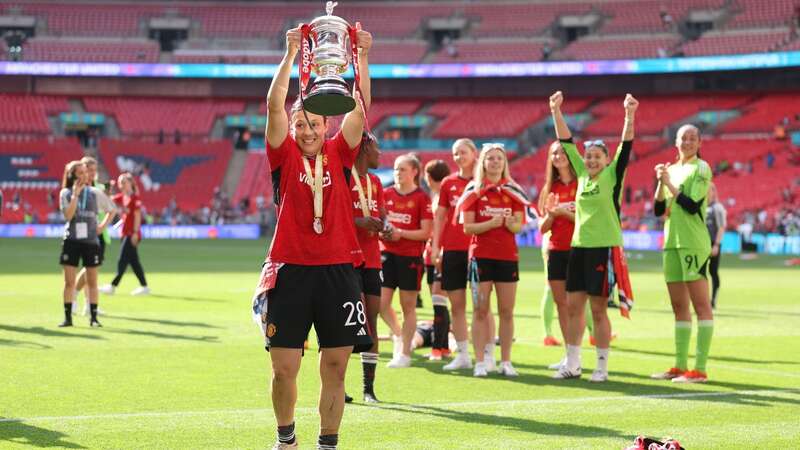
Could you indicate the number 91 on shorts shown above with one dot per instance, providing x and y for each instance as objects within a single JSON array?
[{"x": 685, "y": 264}]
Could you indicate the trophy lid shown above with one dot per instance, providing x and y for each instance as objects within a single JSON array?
[{"x": 329, "y": 18}]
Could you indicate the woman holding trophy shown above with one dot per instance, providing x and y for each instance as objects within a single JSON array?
[{"x": 309, "y": 276}]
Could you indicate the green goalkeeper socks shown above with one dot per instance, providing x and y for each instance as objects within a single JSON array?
[
  {"x": 548, "y": 311},
  {"x": 683, "y": 334},
  {"x": 705, "y": 329}
]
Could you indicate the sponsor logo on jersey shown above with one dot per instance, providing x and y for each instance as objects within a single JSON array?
[
  {"x": 594, "y": 191},
  {"x": 396, "y": 217},
  {"x": 489, "y": 211},
  {"x": 326, "y": 179},
  {"x": 373, "y": 205}
]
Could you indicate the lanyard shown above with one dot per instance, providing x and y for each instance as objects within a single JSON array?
[
  {"x": 365, "y": 202},
  {"x": 315, "y": 181}
]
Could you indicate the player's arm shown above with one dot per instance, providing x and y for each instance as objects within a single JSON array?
[
  {"x": 277, "y": 120},
  {"x": 439, "y": 217},
  {"x": 623, "y": 154},
  {"x": 68, "y": 208},
  {"x": 473, "y": 228},
  {"x": 564, "y": 134},
  {"x": 421, "y": 234},
  {"x": 353, "y": 123}
]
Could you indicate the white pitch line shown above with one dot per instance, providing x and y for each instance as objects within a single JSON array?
[{"x": 413, "y": 407}]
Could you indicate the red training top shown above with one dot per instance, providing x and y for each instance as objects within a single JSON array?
[
  {"x": 406, "y": 211},
  {"x": 453, "y": 237},
  {"x": 129, "y": 204},
  {"x": 368, "y": 240},
  {"x": 497, "y": 243},
  {"x": 295, "y": 241},
  {"x": 562, "y": 228}
]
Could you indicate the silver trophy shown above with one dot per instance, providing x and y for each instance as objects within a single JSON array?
[{"x": 330, "y": 53}]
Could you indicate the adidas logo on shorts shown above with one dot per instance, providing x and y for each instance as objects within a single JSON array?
[{"x": 361, "y": 332}]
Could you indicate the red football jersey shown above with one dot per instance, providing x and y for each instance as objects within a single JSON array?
[
  {"x": 295, "y": 241},
  {"x": 367, "y": 240},
  {"x": 497, "y": 243},
  {"x": 129, "y": 206},
  {"x": 406, "y": 211},
  {"x": 453, "y": 237},
  {"x": 562, "y": 228}
]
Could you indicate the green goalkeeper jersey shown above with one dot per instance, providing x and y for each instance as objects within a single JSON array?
[
  {"x": 597, "y": 202},
  {"x": 685, "y": 229}
]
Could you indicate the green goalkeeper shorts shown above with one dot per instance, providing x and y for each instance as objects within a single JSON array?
[{"x": 685, "y": 264}]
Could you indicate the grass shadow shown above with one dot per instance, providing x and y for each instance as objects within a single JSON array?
[
  {"x": 710, "y": 357},
  {"x": 24, "y": 344},
  {"x": 190, "y": 299},
  {"x": 19, "y": 432},
  {"x": 47, "y": 332},
  {"x": 174, "y": 323},
  {"x": 156, "y": 334},
  {"x": 506, "y": 422}
]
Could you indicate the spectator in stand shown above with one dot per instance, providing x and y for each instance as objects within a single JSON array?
[
  {"x": 546, "y": 51},
  {"x": 770, "y": 158}
]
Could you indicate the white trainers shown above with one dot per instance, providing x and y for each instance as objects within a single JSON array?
[
  {"x": 461, "y": 361},
  {"x": 281, "y": 446},
  {"x": 399, "y": 362},
  {"x": 599, "y": 376},
  {"x": 491, "y": 363},
  {"x": 558, "y": 365},
  {"x": 565, "y": 374},
  {"x": 507, "y": 369},
  {"x": 108, "y": 289},
  {"x": 141, "y": 290},
  {"x": 480, "y": 370}
]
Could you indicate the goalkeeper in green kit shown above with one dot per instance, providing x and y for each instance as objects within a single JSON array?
[{"x": 681, "y": 197}]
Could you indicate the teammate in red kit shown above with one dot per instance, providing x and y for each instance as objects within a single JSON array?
[
  {"x": 450, "y": 246},
  {"x": 409, "y": 223},
  {"x": 309, "y": 276},
  {"x": 557, "y": 209},
  {"x": 435, "y": 172},
  {"x": 493, "y": 208},
  {"x": 131, "y": 206},
  {"x": 366, "y": 193}
]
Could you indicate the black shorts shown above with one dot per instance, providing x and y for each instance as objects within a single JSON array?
[
  {"x": 557, "y": 261},
  {"x": 432, "y": 275},
  {"x": 404, "y": 272},
  {"x": 455, "y": 265},
  {"x": 370, "y": 281},
  {"x": 102, "y": 250},
  {"x": 497, "y": 270},
  {"x": 587, "y": 270},
  {"x": 327, "y": 296},
  {"x": 73, "y": 252}
]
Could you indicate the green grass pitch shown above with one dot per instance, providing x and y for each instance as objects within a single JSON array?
[{"x": 185, "y": 369}]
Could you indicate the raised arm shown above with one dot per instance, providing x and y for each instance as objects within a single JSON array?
[
  {"x": 277, "y": 120},
  {"x": 353, "y": 123},
  {"x": 626, "y": 146},
  {"x": 564, "y": 135}
]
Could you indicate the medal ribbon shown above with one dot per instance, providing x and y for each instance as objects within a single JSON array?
[
  {"x": 365, "y": 202},
  {"x": 315, "y": 181}
]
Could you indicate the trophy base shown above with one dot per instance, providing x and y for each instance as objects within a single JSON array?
[{"x": 329, "y": 99}]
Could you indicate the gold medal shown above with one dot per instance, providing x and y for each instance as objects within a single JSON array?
[{"x": 315, "y": 181}]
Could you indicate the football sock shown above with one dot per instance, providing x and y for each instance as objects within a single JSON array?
[
  {"x": 705, "y": 329},
  {"x": 441, "y": 321},
  {"x": 68, "y": 312},
  {"x": 573, "y": 357},
  {"x": 602, "y": 359},
  {"x": 683, "y": 334},
  {"x": 327, "y": 441},
  {"x": 548, "y": 311},
  {"x": 93, "y": 309},
  {"x": 369, "y": 362},
  {"x": 286, "y": 434},
  {"x": 463, "y": 348}
]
